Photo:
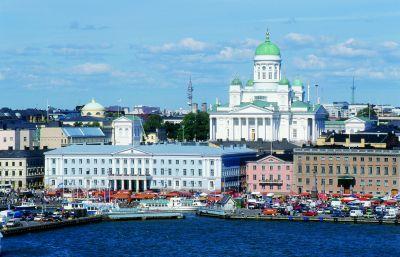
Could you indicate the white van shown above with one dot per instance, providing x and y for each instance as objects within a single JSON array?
[{"x": 356, "y": 213}]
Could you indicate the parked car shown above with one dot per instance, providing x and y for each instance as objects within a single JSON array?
[
  {"x": 12, "y": 223},
  {"x": 310, "y": 213},
  {"x": 270, "y": 211},
  {"x": 356, "y": 213},
  {"x": 389, "y": 216}
]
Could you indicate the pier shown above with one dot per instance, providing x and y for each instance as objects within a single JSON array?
[{"x": 248, "y": 215}]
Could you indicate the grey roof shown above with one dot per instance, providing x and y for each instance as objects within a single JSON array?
[
  {"x": 156, "y": 149},
  {"x": 10, "y": 154},
  {"x": 83, "y": 132}
]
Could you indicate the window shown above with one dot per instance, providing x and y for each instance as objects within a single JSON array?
[
  {"x": 254, "y": 177},
  {"x": 65, "y": 171},
  {"x": 386, "y": 172},
  {"x": 337, "y": 169},
  {"x": 362, "y": 168},
  {"x": 65, "y": 161},
  {"x": 323, "y": 170},
  {"x": 378, "y": 170},
  {"x": 330, "y": 169},
  {"x": 254, "y": 167},
  {"x": 307, "y": 169},
  {"x": 394, "y": 171},
  {"x": 299, "y": 169},
  {"x": 330, "y": 182},
  {"x": 294, "y": 133},
  {"x": 354, "y": 170}
]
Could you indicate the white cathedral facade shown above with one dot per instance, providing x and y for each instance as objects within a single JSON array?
[{"x": 268, "y": 107}]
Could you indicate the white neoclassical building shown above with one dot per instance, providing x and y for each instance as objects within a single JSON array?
[{"x": 268, "y": 107}]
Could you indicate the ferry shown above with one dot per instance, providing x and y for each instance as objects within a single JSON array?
[
  {"x": 173, "y": 204},
  {"x": 118, "y": 213}
]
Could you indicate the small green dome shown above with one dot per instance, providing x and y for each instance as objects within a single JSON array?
[
  {"x": 250, "y": 83},
  {"x": 267, "y": 48},
  {"x": 236, "y": 82},
  {"x": 298, "y": 83},
  {"x": 284, "y": 81}
]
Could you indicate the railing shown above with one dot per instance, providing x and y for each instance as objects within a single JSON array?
[{"x": 271, "y": 181}]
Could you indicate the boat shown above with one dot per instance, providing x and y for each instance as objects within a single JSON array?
[
  {"x": 118, "y": 213},
  {"x": 173, "y": 204},
  {"x": 25, "y": 206}
]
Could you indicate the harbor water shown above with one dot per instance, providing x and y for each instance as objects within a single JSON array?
[{"x": 201, "y": 236}]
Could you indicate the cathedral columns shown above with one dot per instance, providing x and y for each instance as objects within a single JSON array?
[
  {"x": 256, "y": 128},
  {"x": 233, "y": 128},
  {"x": 240, "y": 128}
]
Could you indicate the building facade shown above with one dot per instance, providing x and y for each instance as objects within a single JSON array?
[
  {"x": 348, "y": 171},
  {"x": 22, "y": 169},
  {"x": 268, "y": 106},
  {"x": 17, "y": 139},
  {"x": 270, "y": 174},
  {"x": 127, "y": 130},
  {"x": 157, "y": 167},
  {"x": 55, "y": 137}
]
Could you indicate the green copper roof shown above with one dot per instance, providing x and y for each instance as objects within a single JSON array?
[
  {"x": 297, "y": 82},
  {"x": 267, "y": 48},
  {"x": 236, "y": 82},
  {"x": 334, "y": 122},
  {"x": 250, "y": 83},
  {"x": 284, "y": 81},
  {"x": 259, "y": 103},
  {"x": 299, "y": 104}
]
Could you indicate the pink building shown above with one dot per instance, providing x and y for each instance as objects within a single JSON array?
[{"x": 270, "y": 174}]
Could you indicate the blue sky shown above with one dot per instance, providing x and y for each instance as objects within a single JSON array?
[{"x": 143, "y": 52}]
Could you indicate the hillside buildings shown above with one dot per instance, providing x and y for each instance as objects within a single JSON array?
[
  {"x": 268, "y": 106},
  {"x": 17, "y": 139}
]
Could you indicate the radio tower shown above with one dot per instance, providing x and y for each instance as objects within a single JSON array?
[
  {"x": 190, "y": 93},
  {"x": 353, "y": 90}
]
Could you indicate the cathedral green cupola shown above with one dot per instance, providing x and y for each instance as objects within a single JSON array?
[
  {"x": 236, "y": 82},
  {"x": 267, "y": 48}
]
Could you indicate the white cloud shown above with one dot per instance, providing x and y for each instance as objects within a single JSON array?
[
  {"x": 310, "y": 62},
  {"x": 184, "y": 44},
  {"x": 300, "y": 39},
  {"x": 350, "y": 48},
  {"x": 390, "y": 45},
  {"x": 230, "y": 53},
  {"x": 92, "y": 68}
]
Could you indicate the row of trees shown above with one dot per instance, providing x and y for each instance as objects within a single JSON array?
[{"x": 195, "y": 126}]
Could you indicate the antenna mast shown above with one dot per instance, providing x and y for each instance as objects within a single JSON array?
[
  {"x": 190, "y": 93},
  {"x": 353, "y": 90}
]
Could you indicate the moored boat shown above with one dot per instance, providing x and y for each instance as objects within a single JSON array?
[{"x": 173, "y": 204}]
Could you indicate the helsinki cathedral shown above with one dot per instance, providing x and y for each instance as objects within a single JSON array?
[{"x": 268, "y": 107}]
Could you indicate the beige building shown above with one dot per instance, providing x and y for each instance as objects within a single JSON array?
[
  {"x": 22, "y": 168},
  {"x": 16, "y": 139},
  {"x": 343, "y": 170},
  {"x": 55, "y": 137}
]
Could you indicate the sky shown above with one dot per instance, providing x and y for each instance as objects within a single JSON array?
[{"x": 144, "y": 52}]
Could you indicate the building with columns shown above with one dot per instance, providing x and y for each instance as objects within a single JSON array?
[
  {"x": 268, "y": 106},
  {"x": 138, "y": 168}
]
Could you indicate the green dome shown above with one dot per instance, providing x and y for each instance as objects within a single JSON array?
[
  {"x": 250, "y": 83},
  {"x": 236, "y": 82},
  {"x": 297, "y": 82},
  {"x": 267, "y": 48},
  {"x": 284, "y": 81}
]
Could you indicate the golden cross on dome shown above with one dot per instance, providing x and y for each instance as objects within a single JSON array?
[{"x": 267, "y": 36}]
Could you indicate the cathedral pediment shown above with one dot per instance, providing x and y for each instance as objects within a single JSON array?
[{"x": 252, "y": 109}]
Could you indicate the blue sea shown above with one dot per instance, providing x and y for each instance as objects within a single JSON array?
[{"x": 201, "y": 236}]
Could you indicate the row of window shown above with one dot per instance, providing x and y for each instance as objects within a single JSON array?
[
  {"x": 272, "y": 187},
  {"x": 165, "y": 183},
  {"x": 271, "y": 177},
  {"x": 271, "y": 167},
  {"x": 11, "y": 164},
  {"x": 346, "y": 158},
  {"x": 11, "y": 173},
  {"x": 362, "y": 182},
  {"x": 132, "y": 161},
  {"x": 349, "y": 170},
  {"x": 124, "y": 171}
]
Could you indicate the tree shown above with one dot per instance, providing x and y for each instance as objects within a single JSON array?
[
  {"x": 172, "y": 130},
  {"x": 94, "y": 124},
  {"x": 195, "y": 126},
  {"x": 152, "y": 123},
  {"x": 78, "y": 124},
  {"x": 367, "y": 112}
]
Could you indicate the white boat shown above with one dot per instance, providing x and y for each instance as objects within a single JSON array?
[
  {"x": 25, "y": 206},
  {"x": 173, "y": 204}
]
